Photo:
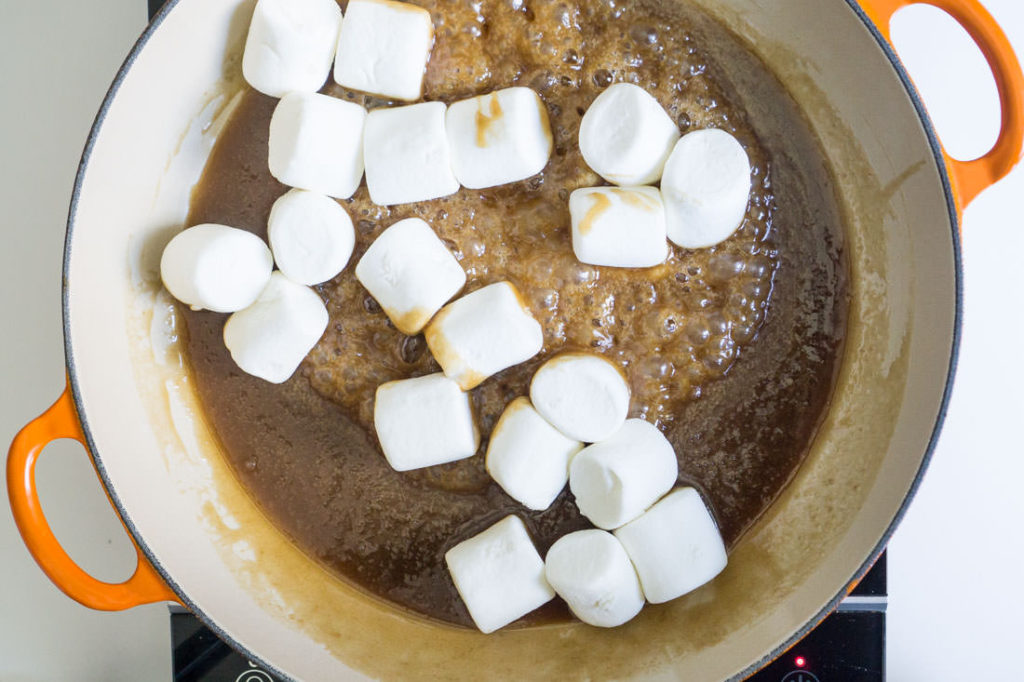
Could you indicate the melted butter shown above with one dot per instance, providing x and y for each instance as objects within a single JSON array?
[
  {"x": 600, "y": 206},
  {"x": 484, "y": 120}
]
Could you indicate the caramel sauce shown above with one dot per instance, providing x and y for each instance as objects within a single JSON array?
[
  {"x": 732, "y": 351},
  {"x": 600, "y": 205},
  {"x": 484, "y": 121},
  {"x": 406, "y": 322},
  {"x": 636, "y": 200}
]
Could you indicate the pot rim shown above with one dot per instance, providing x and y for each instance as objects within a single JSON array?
[{"x": 858, "y": 574}]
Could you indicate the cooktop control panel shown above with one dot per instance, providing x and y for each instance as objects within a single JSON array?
[{"x": 848, "y": 646}]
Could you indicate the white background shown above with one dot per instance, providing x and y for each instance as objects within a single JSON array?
[{"x": 955, "y": 597}]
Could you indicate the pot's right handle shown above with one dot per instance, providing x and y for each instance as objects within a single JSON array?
[
  {"x": 145, "y": 586},
  {"x": 971, "y": 177}
]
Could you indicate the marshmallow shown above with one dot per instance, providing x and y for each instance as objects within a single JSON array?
[
  {"x": 270, "y": 338},
  {"x": 407, "y": 157},
  {"x": 618, "y": 227},
  {"x": 705, "y": 188},
  {"x": 583, "y": 395},
  {"x": 311, "y": 236},
  {"x": 424, "y": 421},
  {"x": 215, "y": 267},
  {"x": 411, "y": 273},
  {"x": 383, "y": 48},
  {"x": 499, "y": 574},
  {"x": 528, "y": 457},
  {"x": 291, "y": 45},
  {"x": 483, "y": 333},
  {"x": 675, "y": 546},
  {"x": 591, "y": 571},
  {"x": 499, "y": 138},
  {"x": 316, "y": 143},
  {"x": 626, "y": 136},
  {"x": 616, "y": 480}
]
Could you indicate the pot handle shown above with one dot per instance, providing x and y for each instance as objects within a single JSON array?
[
  {"x": 61, "y": 421},
  {"x": 970, "y": 178}
]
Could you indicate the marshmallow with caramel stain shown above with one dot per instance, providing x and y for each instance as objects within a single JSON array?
[
  {"x": 675, "y": 546},
  {"x": 626, "y": 136},
  {"x": 591, "y": 571},
  {"x": 499, "y": 574},
  {"x": 407, "y": 155},
  {"x": 383, "y": 48},
  {"x": 582, "y": 395},
  {"x": 483, "y": 333},
  {"x": 528, "y": 457},
  {"x": 424, "y": 421},
  {"x": 616, "y": 480},
  {"x": 706, "y": 188},
  {"x": 621, "y": 227},
  {"x": 411, "y": 273},
  {"x": 316, "y": 144},
  {"x": 499, "y": 138},
  {"x": 270, "y": 338},
  {"x": 291, "y": 45}
]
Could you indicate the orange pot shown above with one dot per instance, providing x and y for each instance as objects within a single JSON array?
[{"x": 202, "y": 542}]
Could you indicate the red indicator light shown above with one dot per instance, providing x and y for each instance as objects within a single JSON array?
[{"x": 800, "y": 661}]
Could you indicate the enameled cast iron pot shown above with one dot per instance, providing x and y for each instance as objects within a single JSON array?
[{"x": 203, "y": 543}]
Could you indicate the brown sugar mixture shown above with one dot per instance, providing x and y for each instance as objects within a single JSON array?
[{"x": 732, "y": 351}]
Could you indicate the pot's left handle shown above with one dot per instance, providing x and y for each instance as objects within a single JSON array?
[{"x": 61, "y": 421}]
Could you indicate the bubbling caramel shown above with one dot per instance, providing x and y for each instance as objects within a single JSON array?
[{"x": 731, "y": 351}]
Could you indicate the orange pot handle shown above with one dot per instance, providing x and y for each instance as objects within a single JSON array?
[
  {"x": 61, "y": 421},
  {"x": 970, "y": 178}
]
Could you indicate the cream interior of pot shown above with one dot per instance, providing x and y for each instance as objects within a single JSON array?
[{"x": 163, "y": 469}]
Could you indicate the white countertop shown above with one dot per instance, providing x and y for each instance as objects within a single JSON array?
[
  {"x": 954, "y": 565},
  {"x": 955, "y": 601}
]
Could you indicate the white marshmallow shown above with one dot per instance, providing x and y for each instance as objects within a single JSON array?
[
  {"x": 499, "y": 138},
  {"x": 528, "y": 457},
  {"x": 291, "y": 45},
  {"x": 270, "y": 338},
  {"x": 583, "y": 395},
  {"x": 483, "y": 333},
  {"x": 675, "y": 546},
  {"x": 311, "y": 236},
  {"x": 316, "y": 143},
  {"x": 616, "y": 480},
  {"x": 411, "y": 273},
  {"x": 591, "y": 571},
  {"x": 706, "y": 187},
  {"x": 407, "y": 157},
  {"x": 383, "y": 48},
  {"x": 618, "y": 227},
  {"x": 499, "y": 574},
  {"x": 626, "y": 136},
  {"x": 216, "y": 267},
  {"x": 424, "y": 421}
]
